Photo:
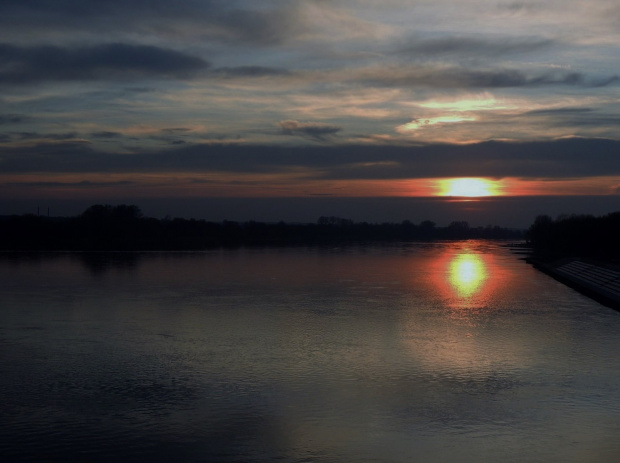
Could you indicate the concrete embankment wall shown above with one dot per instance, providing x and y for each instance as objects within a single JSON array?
[{"x": 596, "y": 281}]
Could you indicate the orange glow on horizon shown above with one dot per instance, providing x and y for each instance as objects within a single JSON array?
[{"x": 293, "y": 183}]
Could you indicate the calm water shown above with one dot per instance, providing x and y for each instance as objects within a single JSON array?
[{"x": 431, "y": 353}]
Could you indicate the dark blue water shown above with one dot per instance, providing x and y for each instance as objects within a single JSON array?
[{"x": 435, "y": 353}]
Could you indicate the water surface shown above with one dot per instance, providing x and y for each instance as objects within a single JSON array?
[{"x": 419, "y": 352}]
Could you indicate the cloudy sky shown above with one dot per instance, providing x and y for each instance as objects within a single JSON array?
[{"x": 274, "y": 110}]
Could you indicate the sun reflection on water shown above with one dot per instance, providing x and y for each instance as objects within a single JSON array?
[
  {"x": 467, "y": 277},
  {"x": 467, "y": 274}
]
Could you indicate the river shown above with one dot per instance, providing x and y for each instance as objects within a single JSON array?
[{"x": 430, "y": 352}]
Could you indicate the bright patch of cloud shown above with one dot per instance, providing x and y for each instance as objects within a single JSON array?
[
  {"x": 485, "y": 102},
  {"x": 418, "y": 124}
]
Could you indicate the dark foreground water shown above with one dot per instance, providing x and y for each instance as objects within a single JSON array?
[{"x": 455, "y": 352}]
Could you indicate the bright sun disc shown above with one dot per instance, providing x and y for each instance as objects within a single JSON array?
[{"x": 468, "y": 187}]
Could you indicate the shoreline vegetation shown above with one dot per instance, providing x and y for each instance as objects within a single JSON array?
[
  {"x": 581, "y": 251},
  {"x": 124, "y": 228},
  {"x": 562, "y": 248},
  {"x": 576, "y": 236}
]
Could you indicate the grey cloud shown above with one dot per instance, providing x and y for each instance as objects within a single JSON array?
[
  {"x": 171, "y": 135},
  {"x": 554, "y": 159},
  {"x": 13, "y": 118},
  {"x": 473, "y": 46},
  {"x": 82, "y": 184},
  {"x": 231, "y": 21},
  {"x": 130, "y": 90},
  {"x": 27, "y": 135},
  {"x": 25, "y": 65},
  {"x": 520, "y": 7},
  {"x": 605, "y": 81},
  {"x": 59, "y": 136},
  {"x": 106, "y": 134},
  {"x": 575, "y": 117},
  {"x": 20, "y": 65},
  {"x": 47, "y": 136},
  {"x": 314, "y": 130},
  {"x": 201, "y": 181},
  {"x": 465, "y": 78},
  {"x": 560, "y": 111},
  {"x": 249, "y": 71},
  {"x": 574, "y": 157},
  {"x": 600, "y": 121},
  {"x": 176, "y": 130},
  {"x": 265, "y": 26}
]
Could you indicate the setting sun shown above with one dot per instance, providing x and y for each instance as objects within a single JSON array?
[{"x": 468, "y": 187}]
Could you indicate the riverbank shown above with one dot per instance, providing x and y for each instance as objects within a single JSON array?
[{"x": 599, "y": 281}]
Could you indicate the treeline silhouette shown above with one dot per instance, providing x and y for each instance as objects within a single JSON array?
[
  {"x": 124, "y": 228},
  {"x": 576, "y": 236}
]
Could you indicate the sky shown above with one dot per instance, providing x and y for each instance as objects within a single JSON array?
[{"x": 289, "y": 110}]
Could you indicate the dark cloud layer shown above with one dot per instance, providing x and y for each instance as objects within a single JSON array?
[
  {"x": 20, "y": 65},
  {"x": 230, "y": 21},
  {"x": 45, "y": 136},
  {"x": 118, "y": 61},
  {"x": 249, "y": 71},
  {"x": 82, "y": 184},
  {"x": 13, "y": 118},
  {"x": 314, "y": 130},
  {"x": 576, "y": 117},
  {"x": 472, "y": 46},
  {"x": 559, "y": 111},
  {"x": 106, "y": 134},
  {"x": 456, "y": 77},
  {"x": 552, "y": 159}
]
